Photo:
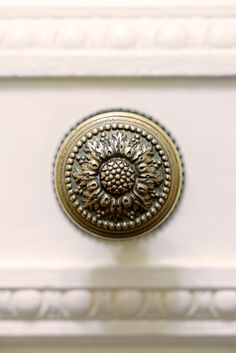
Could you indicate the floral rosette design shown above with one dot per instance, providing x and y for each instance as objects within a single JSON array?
[{"x": 117, "y": 176}]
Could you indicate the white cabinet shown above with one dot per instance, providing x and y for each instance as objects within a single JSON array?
[{"x": 60, "y": 63}]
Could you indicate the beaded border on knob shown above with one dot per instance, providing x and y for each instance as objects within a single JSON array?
[
  {"x": 159, "y": 148},
  {"x": 119, "y": 225}
]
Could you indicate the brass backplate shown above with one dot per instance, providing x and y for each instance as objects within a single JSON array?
[{"x": 118, "y": 175}]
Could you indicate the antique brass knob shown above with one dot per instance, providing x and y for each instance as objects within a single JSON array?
[{"x": 118, "y": 174}]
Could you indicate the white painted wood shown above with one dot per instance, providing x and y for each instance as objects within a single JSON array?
[
  {"x": 110, "y": 303},
  {"x": 36, "y": 116},
  {"x": 52, "y": 272},
  {"x": 113, "y": 39},
  {"x": 55, "y": 281}
]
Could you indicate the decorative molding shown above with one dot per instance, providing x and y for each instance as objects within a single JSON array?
[
  {"x": 149, "y": 40},
  {"x": 68, "y": 303},
  {"x": 119, "y": 35},
  {"x": 117, "y": 304},
  {"x": 95, "y": 41}
]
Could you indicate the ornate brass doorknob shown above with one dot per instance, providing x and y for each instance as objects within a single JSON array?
[{"x": 118, "y": 174}]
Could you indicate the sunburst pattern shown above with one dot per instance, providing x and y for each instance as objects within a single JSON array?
[{"x": 117, "y": 176}]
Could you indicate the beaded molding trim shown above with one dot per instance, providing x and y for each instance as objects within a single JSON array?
[
  {"x": 118, "y": 34},
  {"x": 92, "y": 41},
  {"x": 116, "y": 303}
]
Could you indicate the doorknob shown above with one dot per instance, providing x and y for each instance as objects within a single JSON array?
[{"x": 118, "y": 174}]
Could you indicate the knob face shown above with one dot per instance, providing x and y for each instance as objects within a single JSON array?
[{"x": 118, "y": 175}]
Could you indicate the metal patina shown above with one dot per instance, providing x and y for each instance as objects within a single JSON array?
[{"x": 118, "y": 175}]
